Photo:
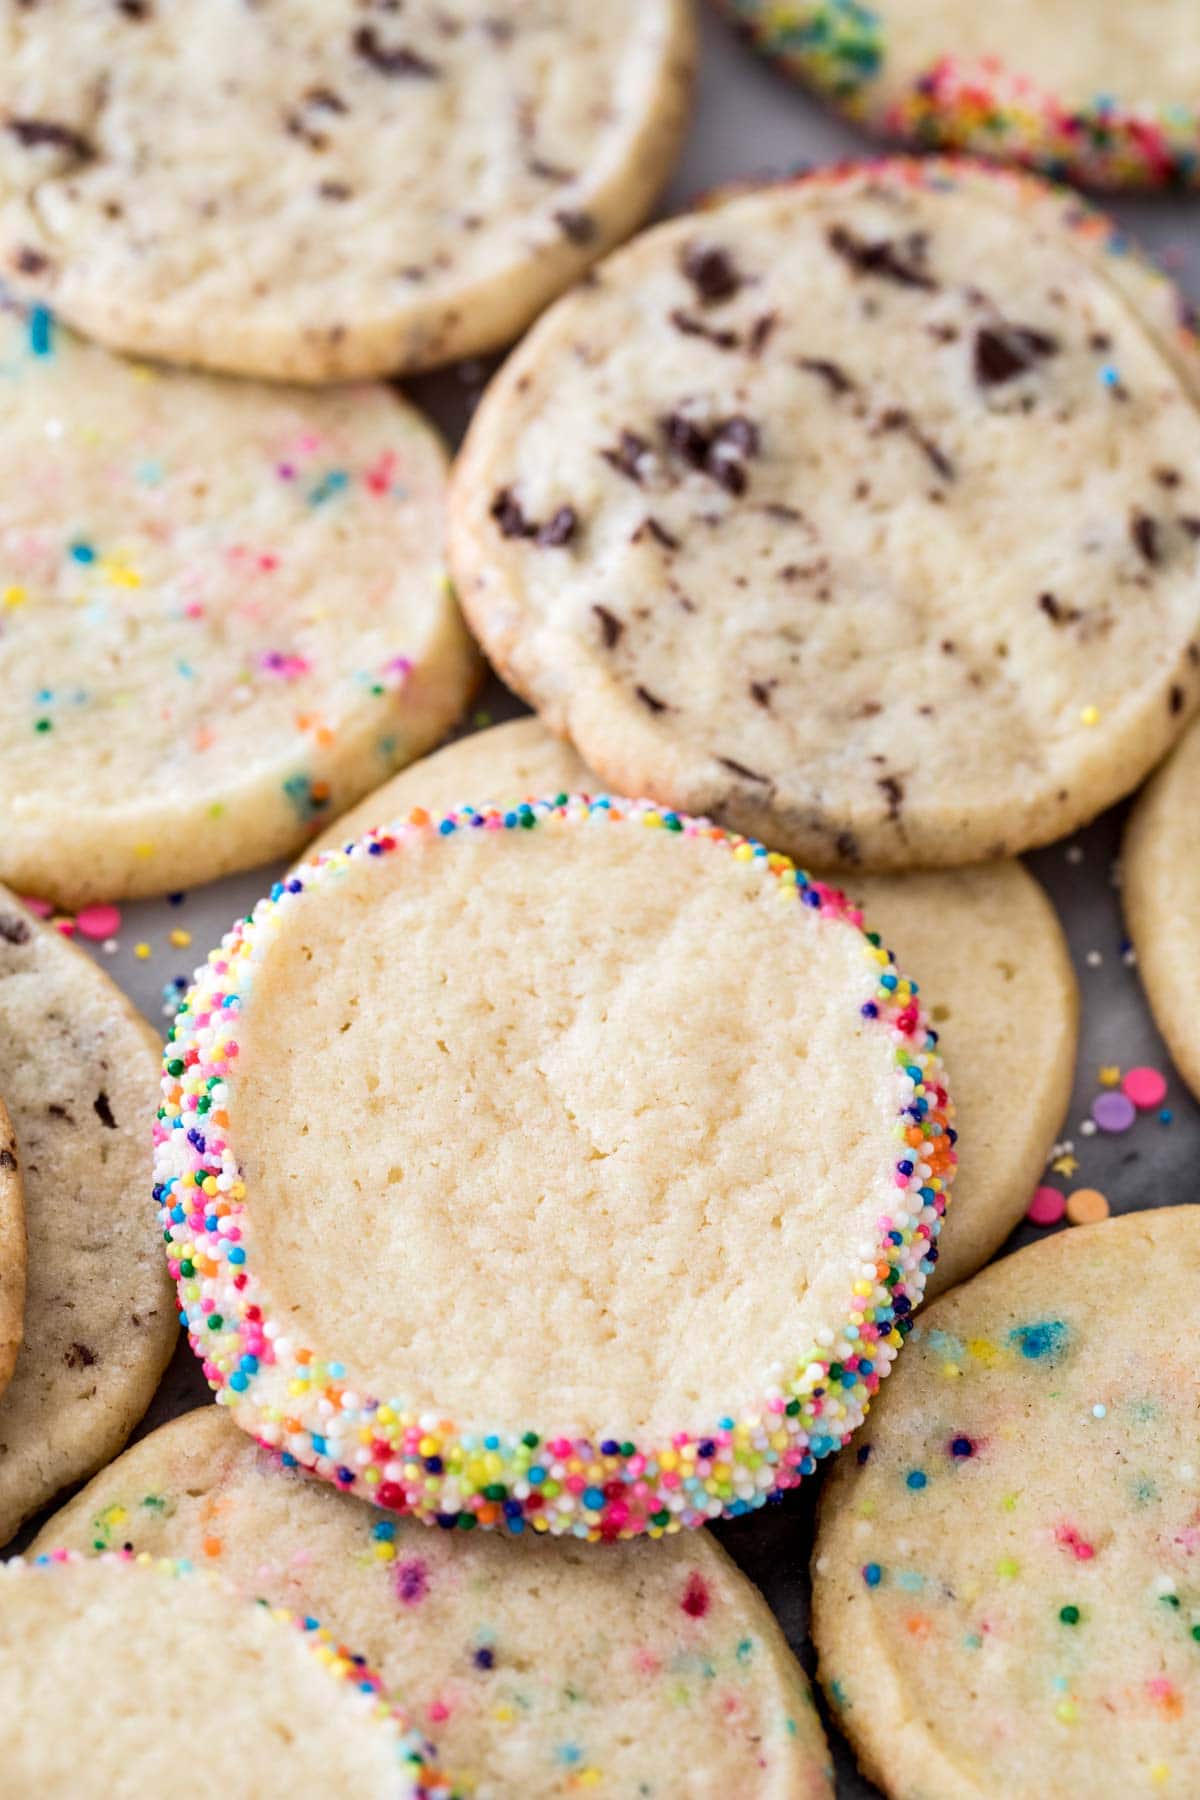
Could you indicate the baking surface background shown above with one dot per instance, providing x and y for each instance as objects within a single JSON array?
[{"x": 750, "y": 122}]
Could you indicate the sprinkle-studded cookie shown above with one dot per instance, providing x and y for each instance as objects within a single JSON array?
[
  {"x": 859, "y": 511},
  {"x": 323, "y": 189},
  {"x": 78, "y": 1071},
  {"x": 984, "y": 943},
  {"x": 1102, "y": 92},
  {"x": 646, "y": 1109},
  {"x": 12, "y": 1249},
  {"x": 223, "y": 614},
  {"x": 114, "y": 1670},
  {"x": 541, "y": 1670},
  {"x": 1006, "y": 1589},
  {"x": 1161, "y": 895}
]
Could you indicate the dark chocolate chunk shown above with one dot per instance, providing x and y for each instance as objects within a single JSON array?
[
  {"x": 506, "y": 510},
  {"x": 760, "y": 331},
  {"x": 576, "y": 227},
  {"x": 650, "y": 527},
  {"x": 834, "y": 376},
  {"x": 629, "y": 456},
  {"x": 711, "y": 272},
  {"x": 7, "y": 1159},
  {"x": 846, "y": 846},
  {"x": 334, "y": 190},
  {"x": 893, "y": 792},
  {"x": 686, "y": 438},
  {"x": 1054, "y": 609},
  {"x": 721, "y": 453},
  {"x": 611, "y": 627},
  {"x": 397, "y": 61},
  {"x": 79, "y": 1357},
  {"x": 31, "y": 262},
  {"x": 691, "y": 326},
  {"x": 1146, "y": 535},
  {"x": 32, "y": 134},
  {"x": 1004, "y": 351},
  {"x": 134, "y": 9},
  {"x": 14, "y": 929},
  {"x": 559, "y": 528},
  {"x": 1175, "y": 700},
  {"x": 103, "y": 1110},
  {"x": 881, "y": 258},
  {"x": 760, "y": 693},
  {"x": 651, "y": 700}
]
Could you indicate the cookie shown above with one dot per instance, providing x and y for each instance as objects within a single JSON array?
[
  {"x": 1105, "y": 94},
  {"x": 1005, "y": 1596},
  {"x": 223, "y": 614},
  {"x": 1160, "y": 891},
  {"x": 12, "y": 1250},
  {"x": 98, "y": 1657},
  {"x": 649, "y": 1111},
  {"x": 78, "y": 1069},
  {"x": 984, "y": 943},
  {"x": 857, "y": 512},
  {"x": 662, "y": 1658},
  {"x": 319, "y": 189}
]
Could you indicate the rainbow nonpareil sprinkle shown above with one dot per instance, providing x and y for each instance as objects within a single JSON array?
[{"x": 314, "y": 1411}]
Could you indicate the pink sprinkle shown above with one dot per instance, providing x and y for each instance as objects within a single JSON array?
[
  {"x": 98, "y": 922},
  {"x": 41, "y": 909},
  {"x": 1047, "y": 1206},
  {"x": 1147, "y": 1088}
]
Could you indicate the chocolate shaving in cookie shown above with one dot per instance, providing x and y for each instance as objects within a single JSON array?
[
  {"x": 14, "y": 929},
  {"x": 691, "y": 326},
  {"x": 576, "y": 227},
  {"x": 558, "y": 529},
  {"x": 611, "y": 627},
  {"x": 831, "y": 373},
  {"x": 738, "y": 768},
  {"x": 398, "y": 61},
  {"x": 893, "y": 792},
  {"x": 881, "y": 258},
  {"x": 1147, "y": 537},
  {"x": 629, "y": 456},
  {"x": 33, "y": 134},
  {"x": 1005, "y": 351},
  {"x": 651, "y": 700},
  {"x": 103, "y": 1110}
]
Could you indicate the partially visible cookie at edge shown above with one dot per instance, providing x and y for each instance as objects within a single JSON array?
[
  {"x": 12, "y": 1249},
  {"x": 1160, "y": 891},
  {"x": 753, "y": 552},
  {"x": 79, "y": 1070}
]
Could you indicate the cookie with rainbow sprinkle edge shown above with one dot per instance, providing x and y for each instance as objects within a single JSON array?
[
  {"x": 1005, "y": 1590},
  {"x": 328, "y": 191},
  {"x": 1160, "y": 894},
  {"x": 79, "y": 1073},
  {"x": 223, "y": 614},
  {"x": 12, "y": 1250},
  {"x": 1104, "y": 94},
  {"x": 662, "y": 1658},
  {"x": 296, "y": 1711},
  {"x": 754, "y": 552},
  {"x": 984, "y": 942},
  {"x": 647, "y": 1112}
]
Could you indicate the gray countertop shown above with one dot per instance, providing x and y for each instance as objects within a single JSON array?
[{"x": 749, "y": 121}]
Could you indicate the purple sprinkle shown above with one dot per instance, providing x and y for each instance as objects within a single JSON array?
[{"x": 1113, "y": 1111}]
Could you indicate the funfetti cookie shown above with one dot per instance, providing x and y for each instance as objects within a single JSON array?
[
  {"x": 1102, "y": 92},
  {"x": 78, "y": 1070},
  {"x": 104, "y": 1661},
  {"x": 223, "y": 614},
  {"x": 540, "y": 1669},
  {"x": 984, "y": 943},
  {"x": 1005, "y": 1588},
  {"x": 1160, "y": 891},
  {"x": 323, "y": 189},
  {"x": 12, "y": 1250},
  {"x": 653, "y": 1107},
  {"x": 865, "y": 520}
]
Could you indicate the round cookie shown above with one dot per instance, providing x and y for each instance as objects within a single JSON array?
[
  {"x": 662, "y": 1658},
  {"x": 1005, "y": 1597},
  {"x": 78, "y": 1070},
  {"x": 1160, "y": 891},
  {"x": 223, "y": 614},
  {"x": 85, "y": 1711},
  {"x": 320, "y": 189},
  {"x": 755, "y": 550},
  {"x": 681, "y": 1220},
  {"x": 12, "y": 1250},
  {"x": 984, "y": 943},
  {"x": 1104, "y": 93}
]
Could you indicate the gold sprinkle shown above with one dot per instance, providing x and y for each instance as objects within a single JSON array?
[
  {"x": 180, "y": 938},
  {"x": 141, "y": 951},
  {"x": 1090, "y": 715}
]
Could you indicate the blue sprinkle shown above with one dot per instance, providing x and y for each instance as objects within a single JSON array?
[
  {"x": 41, "y": 331},
  {"x": 916, "y": 1479},
  {"x": 872, "y": 1575},
  {"x": 83, "y": 553},
  {"x": 1045, "y": 1339}
]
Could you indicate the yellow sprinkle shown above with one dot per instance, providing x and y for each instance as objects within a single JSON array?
[
  {"x": 984, "y": 1351},
  {"x": 1090, "y": 715},
  {"x": 951, "y": 1371},
  {"x": 144, "y": 851},
  {"x": 503, "y": 1713},
  {"x": 1009, "y": 1502},
  {"x": 180, "y": 938},
  {"x": 120, "y": 574},
  {"x": 1008, "y": 1567},
  {"x": 1067, "y": 1711},
  {"x": 587, "y": 1778},
  {"x": 1065, "y": 1165},
  {"x": 15, "y": 596},
  {"x": 141, "y": 951},
  {"x": 1160, "y": 1773},
  {"x": 1109, "y": 1075}
]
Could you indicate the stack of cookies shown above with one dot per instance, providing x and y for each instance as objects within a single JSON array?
[{"x": 553, "y": 1162}]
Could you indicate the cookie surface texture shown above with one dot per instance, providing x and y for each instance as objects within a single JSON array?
[
  {"x": 12, "y": 1249},
  {"x": 984, "y": 943},
  {"x": 1103, "y": 93},
  {"x": 223, "y": 614},
  {"x": 1160, "y": 892},
  {"x": 754, "y": 551},
  {"x": 318, "y": 190},
  {"x": 664, "y": 1673},
  {"x": 540, "y": 966},
  {"x": 78, "y": 1068},
  {"x": 1005, "y": 1599},
  {"x": 297, "y": 1712}
]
